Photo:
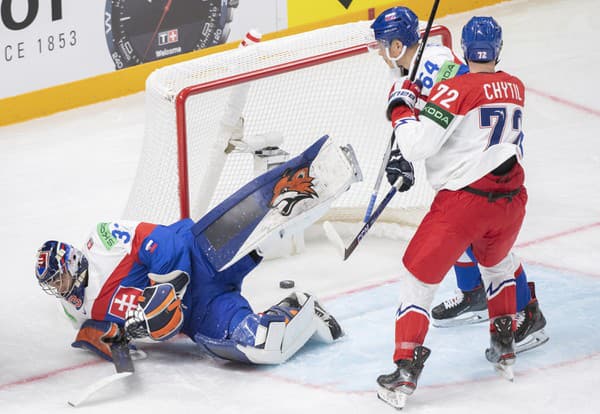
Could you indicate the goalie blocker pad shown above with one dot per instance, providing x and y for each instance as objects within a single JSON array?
[
  {"x": 268, "y": 338},
  {"x": 96, "y": 336},
  {"x": 281, "y": 201}
]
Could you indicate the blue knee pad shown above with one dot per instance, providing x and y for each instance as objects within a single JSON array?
[
  {"x": 468, "y": 276},
  {"x": 523, "y": 293}
]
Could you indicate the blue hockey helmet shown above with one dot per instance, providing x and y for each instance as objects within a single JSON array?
[
  {"x": 481, "y": 39},
  {"x": 59, "y": 267},
  {"x": 397, "y": 23}
]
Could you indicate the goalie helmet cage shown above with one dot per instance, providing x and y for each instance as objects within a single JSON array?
[{"x": 300, "y": 87}]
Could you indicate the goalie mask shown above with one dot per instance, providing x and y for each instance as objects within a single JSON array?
[{"x": 59, "y": 268}]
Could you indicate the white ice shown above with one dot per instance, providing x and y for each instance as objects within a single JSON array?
[{"x": 61, "y": 174}]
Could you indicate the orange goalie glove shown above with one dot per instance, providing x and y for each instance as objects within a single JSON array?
[{"x": 158, "y": 315}]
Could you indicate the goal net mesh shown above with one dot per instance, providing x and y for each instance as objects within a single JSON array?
[{"x": 298, "y": 87}]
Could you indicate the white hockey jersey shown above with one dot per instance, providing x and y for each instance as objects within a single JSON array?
[
  {"x": 433, "y": 59},
  {"x": 470, "y": 125},
  {"x": 120, "y": 255}
]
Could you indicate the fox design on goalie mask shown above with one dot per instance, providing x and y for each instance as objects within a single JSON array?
[{"x": 292, "y": 187}]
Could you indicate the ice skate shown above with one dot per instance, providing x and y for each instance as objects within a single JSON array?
[
  {"x": 530, "y": 325},
  {"x": 333, "y": 327},
  {"x": 501, "y": 352},
  {"x": 394, "y": 388},
  {"x": 467, "y": 307}
]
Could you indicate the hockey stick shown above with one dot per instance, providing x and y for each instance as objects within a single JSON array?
[
  {"x": 375, "y": 192},
  {"x": 335, "y": 238},
  {"x": 425, "y": 38},
  {"x": 123, "y": 365},
  {"x": 330, "y": 232},
  {"x": 413, "y": 74},
  {"x": 96, "y": 386}
]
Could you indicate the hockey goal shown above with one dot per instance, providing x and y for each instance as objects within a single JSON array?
[{"x": 292, "y": 90}]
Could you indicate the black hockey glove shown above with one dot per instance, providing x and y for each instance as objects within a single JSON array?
[{"x": 398, "y": 167}]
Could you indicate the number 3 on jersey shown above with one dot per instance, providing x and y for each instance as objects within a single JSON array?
[{"x": 123, "y": 235}]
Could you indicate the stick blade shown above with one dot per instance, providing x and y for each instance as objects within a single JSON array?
[
  {"x": 335, "y": 239},
  {"x": 121, "y": 356},
  {"x": 96, "y": 386}
]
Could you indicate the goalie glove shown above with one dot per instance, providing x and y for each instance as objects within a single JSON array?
[
  {"x": 158, "y": 315},
  {"x": 96, "y": 336},
  {"x": 178, "y": 278}
]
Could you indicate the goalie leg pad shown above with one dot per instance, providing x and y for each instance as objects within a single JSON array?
[
  {"x": 327, "y": 327},
  {"x": 280, "y": 202},
  {"x": 270, "y": 337},
  {"x": 275, "y": 335},
  {"x": 96, "y": 336},
  {"x": 221, "y": 348}
]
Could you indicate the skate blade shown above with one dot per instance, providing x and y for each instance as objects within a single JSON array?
[
  {"x": 505, "y": 371},
  {"x": 396, "y": 399},
  {"x": 504, "y": 368},
  {"x": 464, "y": 319},
  {"x": 532, "y": 341}
]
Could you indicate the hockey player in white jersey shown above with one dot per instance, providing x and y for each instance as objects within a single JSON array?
[
  {"x": 135, "y": 280},
  {"x": 397, "y": 33},
  {"x": 396, "y": 30},
  {"x": 473, "y": 163}
]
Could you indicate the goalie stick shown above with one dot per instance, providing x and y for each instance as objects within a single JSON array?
[
  {"x": 369, "y": 220},
  {"x": 123, "y": 362}
]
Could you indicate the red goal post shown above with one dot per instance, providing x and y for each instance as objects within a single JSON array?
[{"x": 298, "y": 87}]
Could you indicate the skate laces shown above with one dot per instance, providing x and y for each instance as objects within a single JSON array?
[
  {"x": 454, "y": 301},
  {"x": 520, "y": 318}
]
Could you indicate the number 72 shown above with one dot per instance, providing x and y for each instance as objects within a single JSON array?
[{"x": 494, "y": 117}]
